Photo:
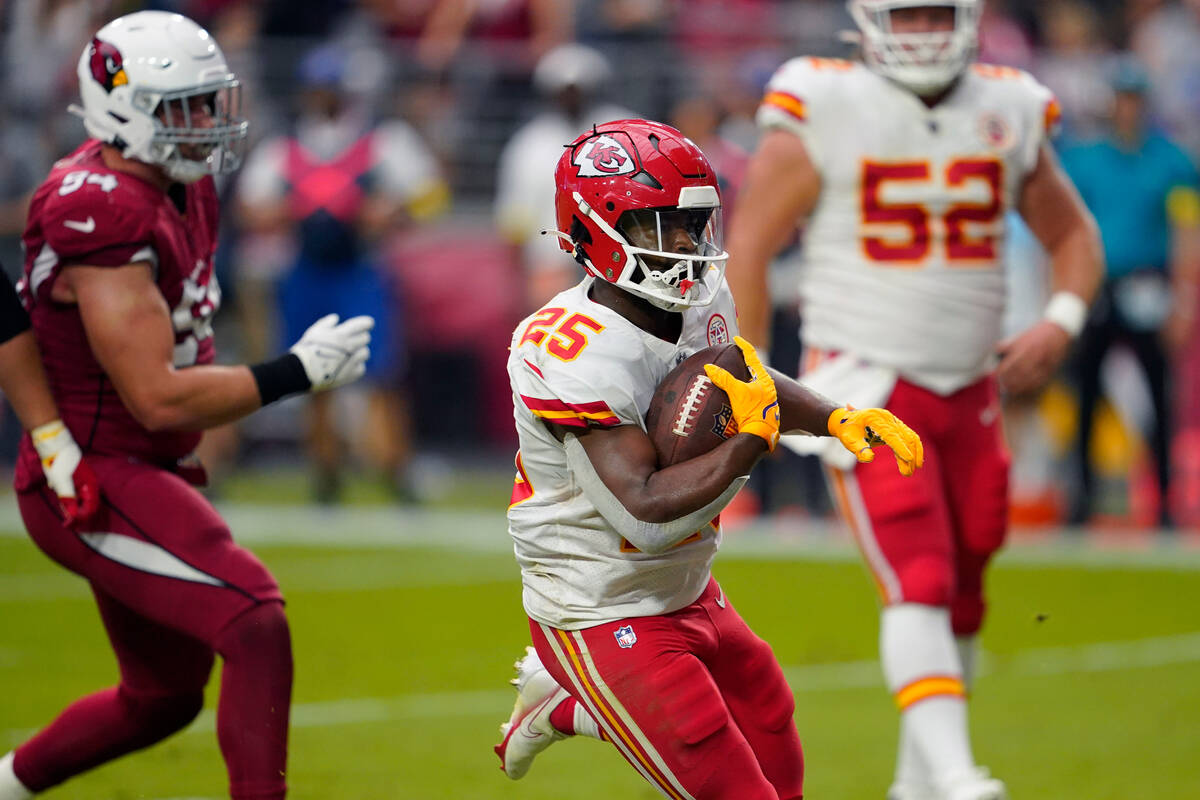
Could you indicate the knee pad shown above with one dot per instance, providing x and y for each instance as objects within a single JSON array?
[
  {"x": 263, "y": 628},
  {"x": 928, "y": 580}
]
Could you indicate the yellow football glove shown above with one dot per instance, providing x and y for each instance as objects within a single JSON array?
[
  {"x": 755, "y": 404},
  {"x": 860, "y": 430}
]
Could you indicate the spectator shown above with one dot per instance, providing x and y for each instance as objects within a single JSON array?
[
  {"x": 570, "y": 78},
  {"x": 1142, "y": 189},
  {"x": 339, "y": 184},
  {"x": 1072, "y": 65},
  {"x": 1166, "y": 43}
]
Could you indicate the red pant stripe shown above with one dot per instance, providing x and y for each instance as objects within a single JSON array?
[{"x": 607, "y": 708}]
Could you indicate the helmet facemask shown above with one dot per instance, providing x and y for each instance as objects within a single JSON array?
[
  {"x": 925, "y": 63},
  {"x": 184, "y": 143},
  {"x": 672, "y": 250}
]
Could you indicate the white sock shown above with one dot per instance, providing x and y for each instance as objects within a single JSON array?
[
  {"x": 10, "y": 787},
  {"x": 922, "y": 669},
  {"x": 584, "y": 724},
  {"x": 911, "y": 768},
  {"x": 968, "y": 656}
]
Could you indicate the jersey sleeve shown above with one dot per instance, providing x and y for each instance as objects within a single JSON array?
[
  {"x": 1038, "y": 108},
  {"x": 581, "y": 392},
  {"x": 98, "y": 221},
  {"x": 796, "y": 99}
]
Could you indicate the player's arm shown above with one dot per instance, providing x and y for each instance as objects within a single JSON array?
[
  {"x": 1056, "y": 214},
  {"x": 23, "y": 381},
  {"x": 780, "y": 189},
  {"x": 624, "y": 459},
  {"x": 801, "y": 410},
  {"x": 22, "y": 378},
  {"x": 128, "y": 326}
]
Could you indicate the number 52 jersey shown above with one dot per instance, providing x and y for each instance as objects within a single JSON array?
[
  {"x": 903, "y": 251},
  {"x": 580, "y": 364}
]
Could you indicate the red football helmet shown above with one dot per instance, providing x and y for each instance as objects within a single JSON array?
[{"x": 637, "y": 204}]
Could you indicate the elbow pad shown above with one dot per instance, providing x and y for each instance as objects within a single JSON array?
[{"x": 649, "y": 537}]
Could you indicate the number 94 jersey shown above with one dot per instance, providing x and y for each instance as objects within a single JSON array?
[
  {"x": 581, "y": 365},
  {"x": 903, "y": 252}
]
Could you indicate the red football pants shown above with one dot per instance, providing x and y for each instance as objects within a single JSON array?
[
  {"x": 694, "y": 700},
  {"x": 928, "y": 538},
  {"x": 173, "y": 589}
]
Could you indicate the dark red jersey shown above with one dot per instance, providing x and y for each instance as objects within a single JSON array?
[{"x": 86, "y": 213}]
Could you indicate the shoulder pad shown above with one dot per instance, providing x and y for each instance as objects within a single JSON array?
[
  {"x": 1020, "y": 88},
  {"x": 91, "y": 217},
  {"x": 569, "y": 368}
]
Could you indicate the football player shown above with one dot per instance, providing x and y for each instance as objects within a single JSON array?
[
  {"x": 639, "y": 643},
  {"x": 902, "y": 167},
  {"x": 120, "y": 290}
]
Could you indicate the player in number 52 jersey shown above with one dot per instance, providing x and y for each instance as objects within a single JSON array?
[
  {"x": 640, "y": 645},
  {"x": 902, "y": 168}
]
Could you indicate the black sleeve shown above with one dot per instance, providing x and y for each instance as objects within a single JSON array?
[{"x": 13, "y": 319}]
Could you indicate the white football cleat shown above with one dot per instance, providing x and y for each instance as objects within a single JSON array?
[
  {"x": 908, "y": 790},
  {"x": 977, "y": 784},
  {"x": 528, "y": 730}
]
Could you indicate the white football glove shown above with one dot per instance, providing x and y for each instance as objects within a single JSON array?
[
  {"x": 333, "y": 353},
  {"x": 67, "y": 474}
]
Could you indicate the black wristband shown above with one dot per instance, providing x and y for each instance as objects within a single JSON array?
[{"x": 280, "y": 377}]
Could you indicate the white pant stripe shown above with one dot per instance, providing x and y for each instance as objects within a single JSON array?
[
  {"x": 580, "y": 692},
  {"x": 861, "y": 522},
  {"x": 646, "y": 746},
  {"x": 145, "y": 557}
]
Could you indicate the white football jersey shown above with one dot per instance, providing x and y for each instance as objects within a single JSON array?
[
  {"x": 581, "y": 364},
  {"x": 903, "y": 254}
]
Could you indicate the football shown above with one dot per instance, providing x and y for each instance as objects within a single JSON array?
[{"x": 689, "y": 415}]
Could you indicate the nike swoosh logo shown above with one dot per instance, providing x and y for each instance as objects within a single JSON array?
[
  {"x": 83, "y": 227},
  {"x": 720, "y": 596}
]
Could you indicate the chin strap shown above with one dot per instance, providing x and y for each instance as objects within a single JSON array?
[{"x": 649, "y": 537}]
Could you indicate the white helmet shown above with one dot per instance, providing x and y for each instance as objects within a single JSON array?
[
  {"x": 137, "y": 78},
  {"x": 925, "y": 63}
]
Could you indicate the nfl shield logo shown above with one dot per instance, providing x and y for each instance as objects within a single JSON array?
[{"x": 625, "y": 636}]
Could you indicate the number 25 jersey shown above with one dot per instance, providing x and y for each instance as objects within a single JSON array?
[
  {"x": 903, "y": 253},
  {"x": 580, "y": 364}
]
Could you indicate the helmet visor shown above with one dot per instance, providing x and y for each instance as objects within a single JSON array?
[{"x": 674, "y": 232}]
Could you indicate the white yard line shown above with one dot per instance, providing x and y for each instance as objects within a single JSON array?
[
  {"x": 364, "y": 528},
  {"x": 847, "y": 675}
]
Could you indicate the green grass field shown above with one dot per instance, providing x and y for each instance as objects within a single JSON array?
[{"x": 405, "y": 628}]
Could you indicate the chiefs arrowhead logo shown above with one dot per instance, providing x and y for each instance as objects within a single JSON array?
[
  {"x": 603, "y": 156},
  {"x": 108, "y": 68}
]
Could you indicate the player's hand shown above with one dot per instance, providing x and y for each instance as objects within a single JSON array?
[
  {"x": 67, "y": 474},
  {"x": 755, "y": 403},
  {"x": 333, "y": 353},
  {"x": 861, "y": 429},
  {"x": 1029, "y": 360}
]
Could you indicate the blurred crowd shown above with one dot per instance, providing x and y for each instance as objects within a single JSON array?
[{"x": 401, "y": 160}]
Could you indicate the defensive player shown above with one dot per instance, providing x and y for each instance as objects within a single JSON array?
[
  {"x": 615, "y": 552},
  {"x": 902, "y": 168},
  {"x": 23, "y": 381},
  {"x": 120, "y": 289}
]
